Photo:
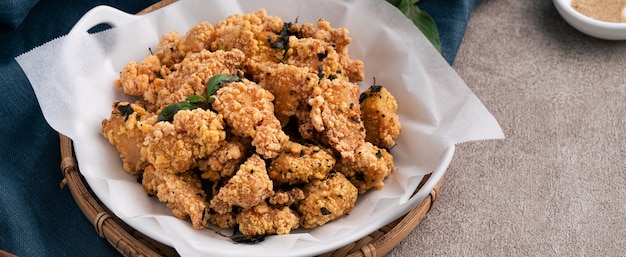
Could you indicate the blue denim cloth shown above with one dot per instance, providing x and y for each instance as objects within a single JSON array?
[{"x": 37, "y": 217}]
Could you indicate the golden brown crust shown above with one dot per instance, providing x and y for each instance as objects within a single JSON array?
[
  {"x": 263, "y": 219},
  {"x": 176, "y": 147},
  {"x": 380, "y": 117},
  {"x": 250, "y": 186},
  {"x": 182, "y": 192},
  {"x": 249, "y": 110},
  {"x": 299, "y": 164},
  {"x": 368, "y": 167},
  {"x": 326, "y": 200}
]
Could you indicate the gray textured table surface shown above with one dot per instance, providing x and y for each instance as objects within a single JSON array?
[{"x": 557, "y": 185}]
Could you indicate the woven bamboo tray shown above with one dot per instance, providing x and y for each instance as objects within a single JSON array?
[{"x": 130, "y": 242}]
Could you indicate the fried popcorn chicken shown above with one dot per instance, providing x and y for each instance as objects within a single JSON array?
[
  {"x": 249, "y": 33},
  {"x": 176, "y": 147},
  {"x": 225, "y": 160},
  {"x": 262, "y": 219},
  {"x": 299, "y": 164},
  {"x": 326, "y": 200},
  {"x": 172, "y": 49},
  {"x": 368, "y": 167},
  {"x": 380, "y": 117},
  {"x": 289, "y": 84},
  {"x": 249, "y": 110},
  {"x": 339, "y": 39},
  {"x": 182, "y": 192},
  {"x": 250, "y": 186},
  {"x": 283, "y": 142},
  {"x": 161, "y": 86},
  {"x": 126, "y": 129},
  {"x": 335, "y": 113},
  {"x": 287, "y": 197}
]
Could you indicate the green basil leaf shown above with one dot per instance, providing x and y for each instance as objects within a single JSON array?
[
  {"x": 424, "y": 22},
  {"x": 217, "y": 81},
  {"x": 196, "y": 99},
  {"x": 167, "y": 114}
]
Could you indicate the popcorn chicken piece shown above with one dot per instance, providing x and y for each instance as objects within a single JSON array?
[
  {"x": 265, "y": 220},
  {"x": 249, "y": 110},
  {"x": 176, "y": 147},
  {"x": 249, "y": 187},
  {"x": 172, "y": 49},
  {"x": 289, "y": 84},
  {"x": 326, "y": 200},
  {"x": 249, "y": 33},
  {"x": 380, "y": 118},
  {"x": 339, "y": 39},
  {"x": 225, "y": 160},
  {"x": 287, "y": 197},
  {"x": 368, "y": 167},
  {"x": 336, "y": 115},
  {"x": 182, "y": 192},
  {"x": 299, "y": 164},
  {"x": 125, "y": 129}
]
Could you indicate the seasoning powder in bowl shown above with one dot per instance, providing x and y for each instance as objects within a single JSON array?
[{"x": 609, "y": 11}]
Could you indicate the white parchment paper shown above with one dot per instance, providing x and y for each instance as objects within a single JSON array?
[{"x": 73, "y": 80}]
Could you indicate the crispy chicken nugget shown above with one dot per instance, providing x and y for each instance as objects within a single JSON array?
[
  {"x": 172, "y": 49},
  {"x": 249, "y": 110},
  {"x": 126, "y": 129},
  {"x": 368, "y": 167},
  {"x": 299, "y": 164},
  {"x": 289, "y": 84},
  {"x": 336, "y": 37},
  {"x": 284, "y": 197},
  {"x": 335, "y": 113},
  {"x": 175, "y": 147},
  {"x": 326, "y": 200},
  {"x": 162, "y": 86},
  {"x": 263, "y": 219},
  {"x": 250, "y": 186},
  {"x": 182, "y": 192},
  {"x": 380, "y": 118},
  {"x": 224, "y": 161},
  {"x": 249, "y": 33}
]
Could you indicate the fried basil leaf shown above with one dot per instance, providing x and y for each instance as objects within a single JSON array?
[{"x": 167, "y": 114}]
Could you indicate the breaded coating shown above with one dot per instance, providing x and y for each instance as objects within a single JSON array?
[
  {"x": 224, "y": 161},
  {"x": 173, "y": 49},
  {"x": 250, "y": 186},
  {"x": 226, "y": 220},
  {"x": 379, "y": 111},
  {"x": 249, "y": 33},
  {"x": 175, "y": 147},
  {"x": 339, "y": 39},
  {"x": 299, "y": 164},
  {"x": 368, "y": 168},
  {"x": 182, "y": 192},
  {"x": 326, "y": 200},
  {"x": 287, "y": 197},
  {"x": 160, "y": 87},
  {"x": 289, "y": 84},
  {"x": 265, "y": 220},
  {"x": 125, "y": 129},
  {"x": 335, "y": 113},
  {"x": 249, "y": 110}
]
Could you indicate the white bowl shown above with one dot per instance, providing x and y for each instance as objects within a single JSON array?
[{"x": 588, "y": 25}]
